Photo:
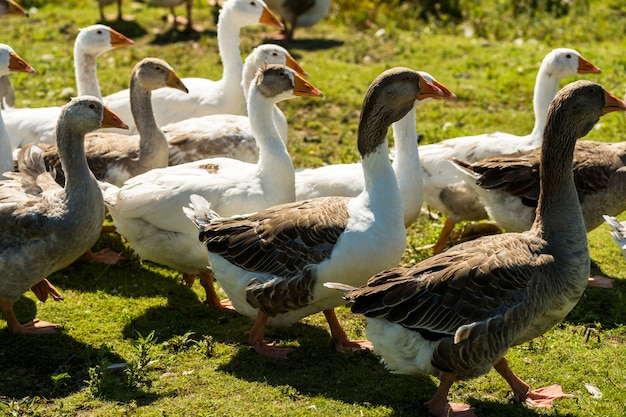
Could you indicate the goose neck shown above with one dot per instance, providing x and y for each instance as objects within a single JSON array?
[
  {"x": 152, "y": 142},
  {"x": 85, "y": 72},
  {"x": 546, "y": 87},
  {"x": 229, "y": 50}
]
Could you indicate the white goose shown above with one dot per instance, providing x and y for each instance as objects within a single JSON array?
[
  {"x": 9, "y": 62},
  {"x": 618, "y": 233},
  {"x": 444, "y": 191},
  {"x": 44, "y": 227},
  {"x": 347, "y": 179},
  {"x": 207, "y": 96},
  {"x": 147, "y": 209},
  {"x": 228, "y": 135},
  {"x": 26, "y": 125},
  {"x": 456, "y": 314},
  {"x": 272, "y": 264},
  {"x": 114, "y": 158}
]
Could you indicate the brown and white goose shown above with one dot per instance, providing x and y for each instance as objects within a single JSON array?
[
  {"x": 273, "y": 264},
  {"x": 147, "y": 209},
  {"x": 508, "y": 186},
  {"x": 456, "y": 314},
  {"x": 113, "y": 157},
  {"x": 44, "y": 227}
]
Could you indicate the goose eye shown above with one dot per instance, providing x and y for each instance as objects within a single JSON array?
[
  {"x": 99, "y": 32},
  {"x": 92, "y": 106},
  {"x": 568, "y": 56},
  {"x": 253, "y": 3},
  {"x": 275, "y": 54}
]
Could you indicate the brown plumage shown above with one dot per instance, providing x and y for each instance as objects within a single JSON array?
[{"x": 455, "y": 314}]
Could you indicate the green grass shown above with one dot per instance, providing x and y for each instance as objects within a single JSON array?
[{"x": 197, "y": 362}]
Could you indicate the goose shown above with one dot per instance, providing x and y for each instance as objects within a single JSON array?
[
  {"x": 114, "y": 158},
  {"x": 228, "y": 134},
  {"x": 26, "y": 125},
  {"x": 508, "y": 186},
  {"x": 618, "y": 233},
  {"x": 444, "y": 191},
  {"x": 44, "y": 227},
  {"x": 272, "y": 264},
  {"x": 10, "y": 61},
  {"x": 173, "y": 3},
  {"x": 147, "y": 209},
  {"x": 102, "y": 3},
  {"x": 455, "y": 314},
  {"x": 298, "y": 13},
  {"x": 11, "y": 8},
  {"x": 347, "y": 179},
  {"x": 206, "y": 96}
]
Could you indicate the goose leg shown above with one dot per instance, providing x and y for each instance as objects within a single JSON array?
[
  {"x": 33, "y": 327},
  {"x": 443, "y": 237},
  {"x": 44, "y": 288},
  {"x": 207, "y": 280},
  {"x": 119, "y": 10},
  {"x": 256, "y": 337},
  {"x": 189, "y": 26},
  {"x": 438, "y": 406},
  {"x": 104, "y": 256},
  {"x": 541, "y": 398},
  {"x": 342, "y": 343}
]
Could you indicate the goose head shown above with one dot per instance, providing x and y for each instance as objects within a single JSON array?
[
  {"x": 263, "y": 55},
  {"x": 250, "y": 12},
  {"x": 278, "y": 83},
  {"x": 9, "y": 7},
  {"x": 12, "y": 62},
  {"x": 389, "y": 98},
  {"x": 88, "y": 113},
  {"x": 98, "y": 39},
  {"x": 153, "y": 73},
  {"x": 565, "y": 62}
]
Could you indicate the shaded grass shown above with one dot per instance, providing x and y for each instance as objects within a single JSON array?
[{"x": 211, "y": 370}]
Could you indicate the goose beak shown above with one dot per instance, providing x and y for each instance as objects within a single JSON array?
[
  {"x": 586, "y": 67},
  {"x": 15, "y": 9},
  {"x": 447, "y": 94},
  {"x": 175, "y": 82},
  {"x": 293, "y": 64},
  {"x": 17, "y": 64},
  {"x": 110, "y": 119},
  {"x": 612, "y": 103},
  {"x": 429, "y": 90},
  {"x": 118, "y": 40},
  {"x": 304, "y": 88},
  {"x": 268, "y": 18}
]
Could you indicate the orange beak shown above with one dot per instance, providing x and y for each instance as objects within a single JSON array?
[
  {"x": 268, "y": 18},
  {"x": 612, "y": 103},
  {"x": 175, "y": 82},
  {"x": 428, "y": 90},
  {"x": 17, "y": 64},
  {"x": 118, "y": 40},
  {"x": 586, "y": 67},
  {"x": 15, "y": 9},
  {"x": 293, "y": 64},
  {"x": 304, "y": 88},
  {"x": 110, "y": 119}
]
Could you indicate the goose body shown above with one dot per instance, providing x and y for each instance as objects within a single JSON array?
[
  {"x": 114, "y": 158},
  {"x": 228, "y": 135},
  {"x": 9, "y": 62},
  {"x": 618, "y": 232},
  {"x": 26, "y": 125},
  {"x": 347, "y": 179},
  {"x": 207, "y": 96},
  {"x": 508, "y": 185},
  {"x": 147, "y": 209},
  {"x": 445, "y": 191},
  {"x": 298, "y": 13},
  {"x": 272, "y": 264},
  {"x": 455, "y": 315},
  {"x": 44, "y": 227}
]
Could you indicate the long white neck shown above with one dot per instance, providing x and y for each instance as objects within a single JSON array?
[
  {"x": 407, "y": 167},
  {"x": 546, "y": 87},
  {"x": 85, "y": 71},
  {"x": 6, "y": 158},
  {"x": 228, "y": 43},
  {"x": 274, "y": 166},
  {"x": 248, "y": 73}
]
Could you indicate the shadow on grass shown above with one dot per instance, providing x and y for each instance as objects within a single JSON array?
[
  {"x": 313, "y": 44},
  {"x": 56, "y": 365},
  {"x": 129, "y": 28},
  {"x": 173, "y": 35}
]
